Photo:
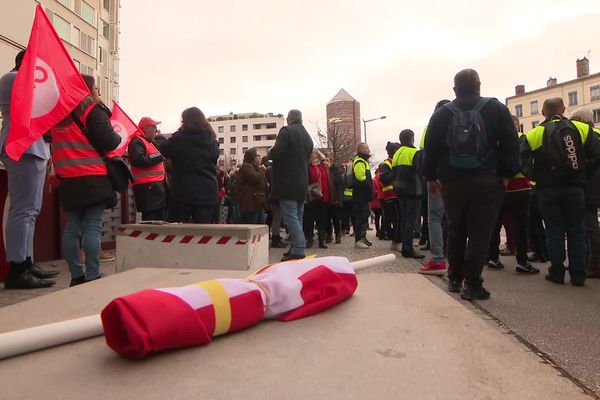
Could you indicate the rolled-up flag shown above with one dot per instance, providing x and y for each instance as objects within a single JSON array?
[{"x": 154, "y": 320}]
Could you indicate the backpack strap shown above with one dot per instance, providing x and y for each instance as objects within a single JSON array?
[
  {"x": 481, "y": 103},
  {"x": 453, "y": 108}
]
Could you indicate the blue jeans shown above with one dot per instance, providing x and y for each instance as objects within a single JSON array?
[
  {"x": 253, "y": 217},
  {"x": 435, "y": 217},
  {"x": 563, "y": 209},
  {"x": 293, "y": 212},
  {"x": 83, "y": 227}
]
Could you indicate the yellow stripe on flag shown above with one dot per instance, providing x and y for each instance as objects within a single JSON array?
[{"x": 220, "y": 300}]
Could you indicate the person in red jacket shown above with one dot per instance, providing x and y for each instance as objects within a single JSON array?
[
  {"x": 148, "y": 169},
  {"x": 375, "y": 204},
  {"x": 315, "y": 210}
]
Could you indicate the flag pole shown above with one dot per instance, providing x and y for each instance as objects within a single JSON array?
[{"x": 44, "y": 336}]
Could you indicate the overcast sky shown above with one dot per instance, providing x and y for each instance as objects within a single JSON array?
[{"x": 396, "y": 57}]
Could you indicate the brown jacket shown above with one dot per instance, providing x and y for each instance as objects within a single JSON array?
[{"x": 252, "y": 188}]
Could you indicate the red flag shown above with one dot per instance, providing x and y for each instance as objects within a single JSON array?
[
  {"x": 47, "y": 87},
  {"x": 124, "y": 126}
]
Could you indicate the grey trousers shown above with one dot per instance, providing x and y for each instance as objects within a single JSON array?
[{"x": 25, "y": 189}]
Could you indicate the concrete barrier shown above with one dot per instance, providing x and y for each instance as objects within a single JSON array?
[{"x": 235, "y": 247}]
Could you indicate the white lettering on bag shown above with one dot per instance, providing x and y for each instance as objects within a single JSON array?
[{"x": 572, "y": 151}]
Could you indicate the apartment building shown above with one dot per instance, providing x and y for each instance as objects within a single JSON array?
[
  {"x": 584, "y": 91},
  {"x": 237, "y": 133},
  {"x": 89, "y": 30}
]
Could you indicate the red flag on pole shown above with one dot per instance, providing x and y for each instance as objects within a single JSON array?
[
  {"x": 47, "y": 87},
  {"x": 124, "y": 126}
]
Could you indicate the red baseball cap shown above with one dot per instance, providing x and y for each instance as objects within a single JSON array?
[{"x": 147, "y": 121}]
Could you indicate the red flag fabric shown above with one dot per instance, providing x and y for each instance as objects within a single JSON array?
[
  {"x": 153, "y": 320},
  {"x": 124, "y": 126},
  {"x": 47, "y": 87}
]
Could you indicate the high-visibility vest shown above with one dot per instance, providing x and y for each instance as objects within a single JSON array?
[
  {"x": 155, "y": 173},
  {"x": 72, "y": 154},
  {"x": 388, "y": 191}
]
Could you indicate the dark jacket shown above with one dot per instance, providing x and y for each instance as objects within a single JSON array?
[
  {"x": 407, "y": 181},
  {"x": 290, "y": 157},
  {"x": 194, "y": 155},
  {"x": 148, "y": 196},
  {"x": 85, "y": 191},
  {"x": 336, "y": 184},
  {"x": 252, "y": 188},
  {"x": 501, "y": 159}
]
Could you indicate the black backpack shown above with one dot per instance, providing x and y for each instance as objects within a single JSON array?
[
  {"x": 562, "y": 148},
  {"x": 467, "y": 136}
]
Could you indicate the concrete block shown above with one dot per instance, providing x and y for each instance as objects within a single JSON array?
[{"x": 237, "y": 247}]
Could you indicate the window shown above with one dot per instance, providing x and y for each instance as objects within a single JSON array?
[
  {"x": 232, "y": 151},
  {"x": 245, "y": 127},
  {"x": 221, "y": 140},
  {"x": 221, "y": 129},
  {"x": 534, "y": 107},
  {"x": 63, "y": 28},
  {"x": 271, "y": 137},
  {"x": 66, "y": 3},
  {"x": 221, "y": 152},
  {"x": 244, "y": 150},
  {"x": 595, "y": 93},
  {"x": 534, "y": 124},
  {"x": 245, "y": 138},
  {"x": 77, "y": 64},
  {"x": 87, "y": 13},
  {"x": 521, "y": 127},
  {"x": 232, "y": 139},
  {"x": 257, "y": 126},
  {"x": 572, "y": 99},
  {"x": 106, "y": 4},
  {"x": 231, "y": 128},
  {"x": 87, "y": 44},
  {"x": 519, "y": 110},
  {"x": 257, "y": 138},
  {"x": 271, "y": 125},
  {"x": 77, "y": 41},
  {"x": 104, "y": 29},
  {"x": 103, "y": 55},
  {"x": 596, "y": 115},
  {"x": 221, "y": 163}
]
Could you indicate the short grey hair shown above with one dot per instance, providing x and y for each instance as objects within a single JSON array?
[
  {"x": 294, "y": 116},
  {"x": 584, "y": 115}
]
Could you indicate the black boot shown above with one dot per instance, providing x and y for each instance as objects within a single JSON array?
[
  {"x": 276, "y": 243},
  {"x": 322, "y": 244},
  {"x": 36, "y": 271},
  {"x": 19, "y": 277},
  {"x": 309, "y": 243},
  {"x": 338, "y": 239}
]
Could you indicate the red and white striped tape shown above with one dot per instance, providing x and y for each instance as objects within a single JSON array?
[{"x": 186, "y": 239}]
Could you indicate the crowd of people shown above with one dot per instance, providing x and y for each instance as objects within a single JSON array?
[{"x": 472, "y": 174}]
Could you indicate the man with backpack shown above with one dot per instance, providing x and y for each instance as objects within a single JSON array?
[
  {"x": 559, "y": 150},
  {"x": 471, "y": 151}
]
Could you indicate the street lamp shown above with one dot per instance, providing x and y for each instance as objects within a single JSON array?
[{"x": 369, "y": 120}]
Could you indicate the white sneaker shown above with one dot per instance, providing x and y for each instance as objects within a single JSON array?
[{"x": 361, "y": 245}]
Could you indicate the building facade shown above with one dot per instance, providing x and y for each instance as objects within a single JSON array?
[
  {"x": 237, "y": 133},
  {"x": 89, "y": 30},
  {"x": 343, "y": 126},
  {"x": 584, "y": 91}
]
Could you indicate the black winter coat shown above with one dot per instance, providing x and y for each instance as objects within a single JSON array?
[
  {"x": 85, "y": 191},
  {"x": 194, "y": 157},
  {"x": 290, "y": 163}
]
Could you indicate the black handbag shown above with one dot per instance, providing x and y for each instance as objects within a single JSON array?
[{"x": 118, "y": 173}]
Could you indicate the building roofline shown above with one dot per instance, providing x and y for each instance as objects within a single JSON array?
[{"x": 597, "y": 74}]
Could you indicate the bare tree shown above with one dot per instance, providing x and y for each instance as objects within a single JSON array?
[{"x": 341, "y": 144}]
